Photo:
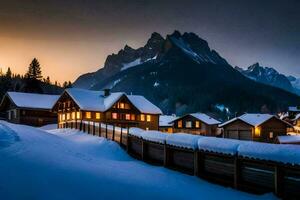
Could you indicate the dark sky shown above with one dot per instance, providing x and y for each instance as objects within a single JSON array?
[{"x": 77, "y": 35}]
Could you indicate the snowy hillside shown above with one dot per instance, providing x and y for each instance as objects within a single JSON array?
[{"x": 68, "y": 164}]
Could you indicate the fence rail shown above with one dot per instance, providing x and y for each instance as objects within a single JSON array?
[{"x": 251, "y": 175}]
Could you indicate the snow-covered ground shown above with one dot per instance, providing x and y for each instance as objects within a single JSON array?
[{"x": 68, "y": 164}]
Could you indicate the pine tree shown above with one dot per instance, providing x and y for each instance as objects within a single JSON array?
[
  {"x": 34, "y": 70},
  {"x": 8, "y": 73}
]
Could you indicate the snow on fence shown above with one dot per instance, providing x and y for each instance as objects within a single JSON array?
[{"x": 251, "y": 166}]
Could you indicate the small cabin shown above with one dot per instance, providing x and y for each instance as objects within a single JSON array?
[
  {"x": 28, "y": 108},
  {"x": 166, "y": 123},
  {"x": 255, "y": 127},
  {"x": 119, "y": 109},
  {"x": 197, "y": 124}
]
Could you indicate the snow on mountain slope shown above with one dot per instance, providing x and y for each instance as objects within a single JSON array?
[{"x": 68, "y": 164}]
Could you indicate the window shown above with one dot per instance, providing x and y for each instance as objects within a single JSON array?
[
  {"x": 257, "y": 131},
  {"x": 78, "y": 115},
  {"x": 63, "y": 117},
  {"x": 122, "y": 105},
  {"x": 188, "y": 124},
  {"x": 15, "y": 113},
  {"x": 142, "y": 117},
  {"x": 88, "y": 115},
  {"x": 73, "y": 115},
  {"x": 148, "y": 118},
  {"x": 271, "y": 135},
  {"x": 197, "y": 124},
  {"x": 132, "y": 117},
  {"x": 114, "y": 115},
  {"x": 68, "y": 116},
  {"x": 98, "y": 115},
  {"x": 147, "y": 128},
  {"x": 179, "y": 124},
  {"x": 127, "y": 116}
]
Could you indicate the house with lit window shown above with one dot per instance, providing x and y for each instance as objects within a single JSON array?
[
  {"x": 196, "y": 123},
  {"x": 119, "y": 109},
  {"x": 255, "y": 127},
  {"x": 166, "y": 123},
  {"x": 28, "y": 108}
]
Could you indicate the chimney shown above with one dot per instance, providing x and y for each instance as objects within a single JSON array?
[{"x": 106, "y": 92}]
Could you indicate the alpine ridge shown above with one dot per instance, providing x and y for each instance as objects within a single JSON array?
[{"x": 181, "y": 74}]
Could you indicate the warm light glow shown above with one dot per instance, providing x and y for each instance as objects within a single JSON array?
[
  {"x": 114, "y": 115},
  {"x": 257, "y": 131},
  {"x": 179, "y": 124},
  {"x": 73, "y": 115},
  {"x": 88, "y": 115},
  {"x": 142, "y": 117},
  {"x": 132, "y": 117},
  {"x": 197, "y": 124},
  {"x": 68, "y": 116},
  {"x": 127, "y": 116},
  {"x": 98, "y": 115},
  {"x": 63, "y": 117},
  {"x": 122, "y": 105},
  {"x": 78, "y": 115},
  {"x": 148, "y": 118}
]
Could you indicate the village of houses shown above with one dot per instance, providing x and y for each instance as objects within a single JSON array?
[
  {"x": 253, "y": 152},
  {"x": 78, "y": 108}
]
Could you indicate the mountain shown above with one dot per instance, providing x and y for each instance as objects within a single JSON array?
[
  {"x": 182, "y": 74},
  {"x": 270, "y": 76}
]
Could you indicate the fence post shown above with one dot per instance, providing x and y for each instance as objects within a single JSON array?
[
  {"x": 100, "y": 130},
  {"x": 94, "y": 128},
  {"x": 201, "y": 160},
  {"x": 121, "y": 135},
  {"x": 166, "y": 163},
  {"x": 127, "y": 142},
  {"x": 105, "y": 130},
  {"x": 113, "y": 133},
  {"x": 278, "y": 180},
  {"x": 143, "y": 150},
  {"x": 196, "y": 162},
  {"x": 237, "y": 172}
]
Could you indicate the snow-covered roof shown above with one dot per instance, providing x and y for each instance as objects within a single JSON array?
[
  {"x": 166, "y": 120},
  {"x": 202, "y": 117},
  {"x": 143, "y": 105},
  {"x": 289, "y": 139},
  {"x": 96, "y": 101},
  {"x": 297, "y": 117},
  {"x": 33, "y": 100},
  {"x": 294, "y": 108},
  {"x": 205, "y": 118},
  {"x": 252, "y": 119}
]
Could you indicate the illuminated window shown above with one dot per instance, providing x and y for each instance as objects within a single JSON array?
[
  {"x": 63, "y": 117},
  {"x": 257, "y": 131},
  {"x": 132, "y": 117},
  {"x": 147, "y": 128},
  {"x": 188, "y": 124},
  {"x": 68, "y": 116},
  {"x": 98, "y": 115},
  {"x": 88, "y": 115},
  {"x": 78, "y": 115},
  {"x": 114, "y": 115},
  {"x": 197, "y": 124},
  {"x": 170, "y": 130},
  {"x": 73, "y": 115},
  {"x": 271, "y": 135},
  {"x": 64, "y": 104},
  {"x": 179, "y": 124},
  {"x": 142, "y": 117},
  {"x": 127, "y": 116},
  {"x": 148, "y": 118},
  {"x": 122, "y": 105}
]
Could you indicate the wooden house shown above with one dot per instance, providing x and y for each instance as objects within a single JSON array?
[
  {"x": 166, "y": 123},
  {"x": 196, "y": 123},
  {"x": 29, "y": 108},
  {"x": 256, "y": 127},
  {"x": 76, "y": 106}
]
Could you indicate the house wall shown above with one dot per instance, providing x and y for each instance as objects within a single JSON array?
[
  {"x": 166, "y": 129},
  {"x": 204, "y": 129},
  {"x": 271, "y": 129},
  {"x": 238, "y": 130}
]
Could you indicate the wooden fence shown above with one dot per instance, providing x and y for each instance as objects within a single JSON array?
[{"x": 250, "y": 175}]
